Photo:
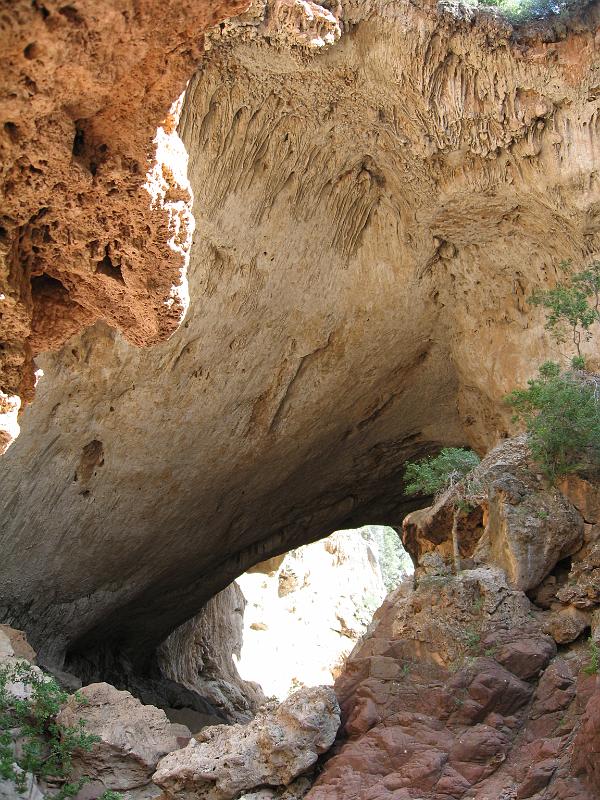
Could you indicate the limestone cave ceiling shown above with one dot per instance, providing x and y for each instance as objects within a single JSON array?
[{"x": 370, "y": 218}]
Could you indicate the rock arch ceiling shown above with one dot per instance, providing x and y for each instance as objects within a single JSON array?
[{"x": 369, "y": 221}]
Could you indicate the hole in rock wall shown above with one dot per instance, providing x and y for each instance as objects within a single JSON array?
[{"x": 306, "y": 610}]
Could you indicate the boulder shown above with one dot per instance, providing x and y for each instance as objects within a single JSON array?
[
  {"x": 133, "y": 737},
  {"x": 519, "y": 524},
  {"x": 525, "y": 655},
  {"x": 14, "y": 644},
  {"x": 276, "y": 747},
  {"x": 14, "y": 650},
  {"x": 566, "y": 625},
  {"x": 296, "y": 790}
]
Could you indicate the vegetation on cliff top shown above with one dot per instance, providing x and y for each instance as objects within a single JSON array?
[
  {"x": 562, "y": 417},
  {"x": 560, "y": 408},
  {"x": 451, "y": 468},
  {"x": 521, "y": 11}
]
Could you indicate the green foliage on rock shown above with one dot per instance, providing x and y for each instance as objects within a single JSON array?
[
  {"x": 569, "y": 315},
  {"x": 560, "y": 407},
  {"x": 521, "y": 11},
  {"x": 451, "y": 468},
  {"x": 433, "y": 475},
  {"x": 394, "y": 561},
  {"x": 561, "y": 413},
  {"x": 30, "y": 739},
  {"x": 593, "y": 668}
]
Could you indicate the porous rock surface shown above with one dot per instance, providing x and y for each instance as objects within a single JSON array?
[
  {"x": 371, "y": 217},
  {"x": 95, "y": 218},
  {"x": 223, "y": 762}
]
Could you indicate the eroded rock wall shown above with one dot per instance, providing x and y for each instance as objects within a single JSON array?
[
  {"x": 200, "y": 656},
  {"x": 96, "y": 209},
  {"x": 370, "y": 219},
  {"x": 460, "y": 690}
]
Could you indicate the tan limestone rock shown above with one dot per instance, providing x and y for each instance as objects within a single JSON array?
[
  {"x": 275, "y": 748},
  {"x": 567, "y": 624},
  {"x": 133, "y": 737},
  {"x": 14, "y": 644}
]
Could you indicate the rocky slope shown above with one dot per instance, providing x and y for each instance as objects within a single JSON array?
[
  {"x": 460, "y": 690},
  {"x": 370, "y": 219},
  {"x": 129, "y": 757}
]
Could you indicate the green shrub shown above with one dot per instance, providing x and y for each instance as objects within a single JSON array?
[
  {"x": 46, "y": 750},
  {"x": 518, "y": 11},
  {"x": 562, "y": 416},
  {"x": 433, "y": 475},
  {"x": 569, "y": 315},
  {"x": 593, "y": 668},
  {"x": 588, "y": 281},
  {"x": 451, "y": 468},
  {"x": 472, "y": 638}
]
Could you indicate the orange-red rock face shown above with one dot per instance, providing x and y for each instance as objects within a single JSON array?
[
  {"x": 458, "y": 694},
  {"x": 85, "y": 232},
  {"x": 459, "y": 691}
]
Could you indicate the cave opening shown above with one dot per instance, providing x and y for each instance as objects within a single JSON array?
[{"x": 305, "y": 610}]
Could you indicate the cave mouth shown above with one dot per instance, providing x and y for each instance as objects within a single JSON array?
[{"x": 305, "y": 610}]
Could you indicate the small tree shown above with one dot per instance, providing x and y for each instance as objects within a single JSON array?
[
  {"x": 452, "y": 468},
  {"x": 45, "y": 749},
  {"x": 588, "y": 281},
  {"x": 569, "y": 313},
  {"x": 562, "y": 416}
]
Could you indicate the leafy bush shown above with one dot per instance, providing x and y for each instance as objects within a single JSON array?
[
  {"x": 593, "y": 668},
  {"x": 451, "y": 468},
  {"x": 433, "y": 475},
  {"x": 45, "y": 749},
  {"x": 562, "y": 416},
  {"x": 568, "y": 313},
  {"x": 525, "y": 10}
]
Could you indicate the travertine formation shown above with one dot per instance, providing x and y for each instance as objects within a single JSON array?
[
  {"x": 95, "y": 219},
  {"x": 370, "y": 219}
]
